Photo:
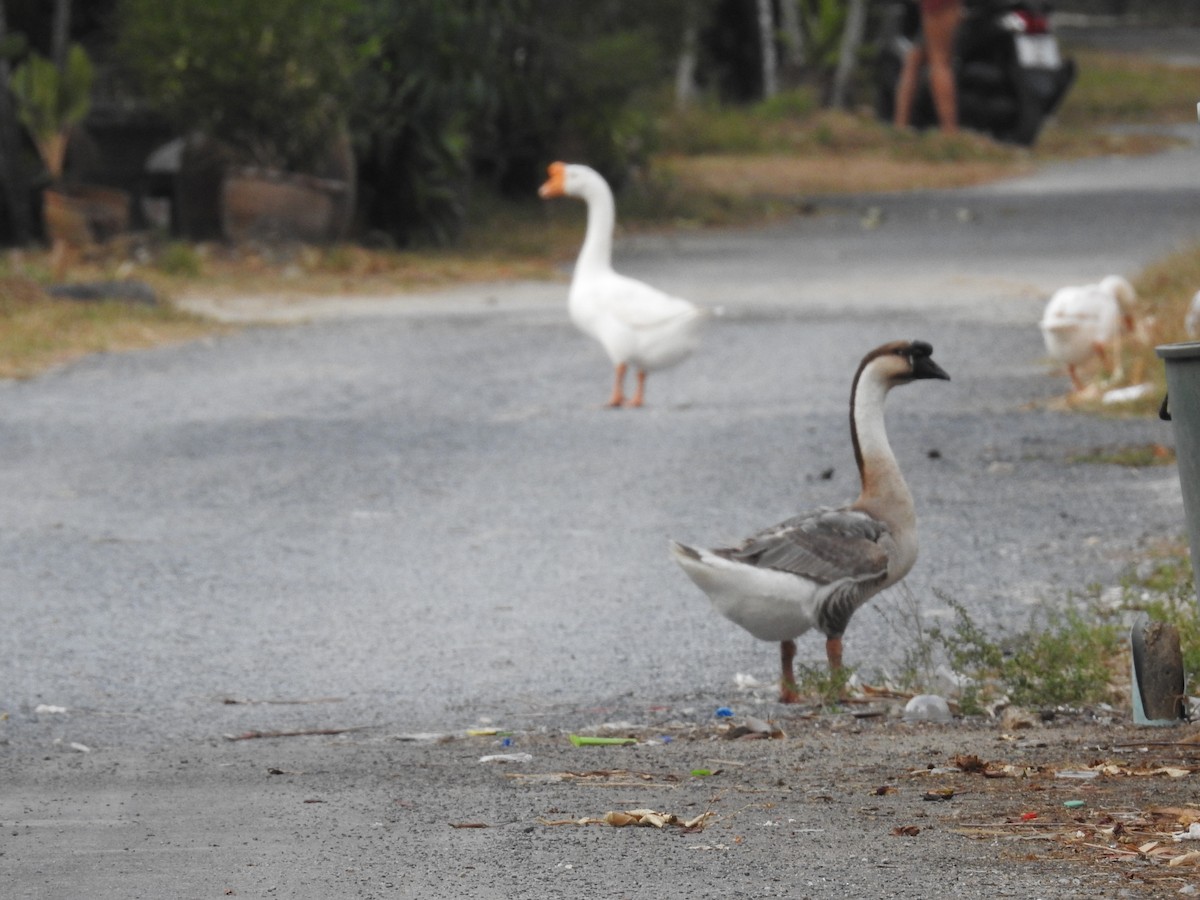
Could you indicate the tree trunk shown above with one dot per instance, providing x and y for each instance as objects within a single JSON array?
[
  {"x": 852, "y": 37},
  {"x": 14, "y": 179},
  {"x": 793, "y": 34},
  {"x": 60, "y": 34},
  {"x": 766, "y": 35},
  {"x": 685, "y": 69}
]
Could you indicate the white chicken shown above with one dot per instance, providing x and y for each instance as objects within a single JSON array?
[{"x": 1085, "y": 322}]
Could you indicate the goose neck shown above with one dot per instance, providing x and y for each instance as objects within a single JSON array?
[
  {"x": 596, "y": 253},
  {"x": 883, "y": 487}
]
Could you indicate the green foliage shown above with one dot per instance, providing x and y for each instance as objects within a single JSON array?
[
  {"x": 1167, "y": 593},
  {"x": 457, "y": 90},
  {"x": 269, "y": 79},
  {"x": 180, "y": 259},
  {"x": 50, "y": 101},
  {"x": 819, "y": 682},
  {"x": 1065, "y": 657},
  {"x": 823, "y": 22},
  {"x": 798, "y": 103}
]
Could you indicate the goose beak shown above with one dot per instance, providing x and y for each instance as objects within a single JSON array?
[
  {"x": 925, "y": 367},
  {"x": 555, "y": 185}
]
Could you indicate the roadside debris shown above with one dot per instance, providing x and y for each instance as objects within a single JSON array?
[
  {"x": 307, "y": 732},
  {"x": 583, "y": 740},
  {"x": 927, "y": 708},
  {"x": 507, "y": 758},
  {"x": 637, "y": 818}
]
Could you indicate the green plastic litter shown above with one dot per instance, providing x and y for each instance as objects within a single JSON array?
[
  {"x": 580, "y": 740},
  {"x": 1074, "y": 804},
  {"x": 701, "y": 773}
]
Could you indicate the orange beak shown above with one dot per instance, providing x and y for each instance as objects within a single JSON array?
[{"x": 554, "y": 186}]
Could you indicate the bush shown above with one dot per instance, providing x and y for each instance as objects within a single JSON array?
[{"x": 268, "y": 79}]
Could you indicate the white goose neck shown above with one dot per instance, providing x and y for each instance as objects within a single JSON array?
[{"x": 596, "y": 254}]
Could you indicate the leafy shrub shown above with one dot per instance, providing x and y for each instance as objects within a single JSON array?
[{"x": 269, "y": 79}]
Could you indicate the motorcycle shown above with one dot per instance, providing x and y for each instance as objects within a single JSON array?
[{"x": 1010, "y": 73}]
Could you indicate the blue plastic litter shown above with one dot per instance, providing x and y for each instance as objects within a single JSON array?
[{"x": 724, "y": 712}]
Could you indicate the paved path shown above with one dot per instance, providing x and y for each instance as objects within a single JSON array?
[{"x": 419, "y": 515}]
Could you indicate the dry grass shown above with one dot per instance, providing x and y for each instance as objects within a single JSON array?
[{"x": 38, "y": 332}]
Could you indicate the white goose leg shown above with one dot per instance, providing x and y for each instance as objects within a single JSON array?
[
  {"x": 639, "y": 396},
  {"x": 618, "y": 394}
]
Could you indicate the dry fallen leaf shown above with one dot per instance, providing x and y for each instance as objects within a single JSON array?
[
  {"x": 1187, "y": 859},
  {"x": 906, "y": 831},
  {"x": 968, "y": 762},
  {"x": 636, "y": 818}
]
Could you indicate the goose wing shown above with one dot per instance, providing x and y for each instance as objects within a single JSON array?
[
  {"x": 638, "y": 305},
  {"x": 825, "y": 546}
]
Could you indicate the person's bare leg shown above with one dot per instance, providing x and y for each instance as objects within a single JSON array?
[
  {"x": 939, "y": 30},
  {"x": 906, "y": 87}
]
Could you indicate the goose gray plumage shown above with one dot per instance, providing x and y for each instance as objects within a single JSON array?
[
  {"x": 816, "y": 569},
  {"x": 636, "y": 324}
]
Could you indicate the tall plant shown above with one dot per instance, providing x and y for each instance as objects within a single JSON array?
[{"x": 51, "y": 100}]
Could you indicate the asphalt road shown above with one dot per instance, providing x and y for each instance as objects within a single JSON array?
[{"x": 413, "y": 515}]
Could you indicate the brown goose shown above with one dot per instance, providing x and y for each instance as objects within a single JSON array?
[{"x": 816, "y": 569}]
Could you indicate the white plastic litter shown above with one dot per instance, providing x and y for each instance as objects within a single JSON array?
[
  {"x": 507, "y": 758},
  {"x": 1127, "y": 394},
  {"x": 1192, "y": 833},
  {"x": 927, "y": 708}
]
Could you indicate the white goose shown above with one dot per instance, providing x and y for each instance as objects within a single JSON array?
[
  {"x": 816, "y": 569},
  {"x": 637, "y": 325},
  {"x": 1085, "y": 321}
]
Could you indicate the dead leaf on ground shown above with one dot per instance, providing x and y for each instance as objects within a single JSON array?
[
  {"x": 968, "y": 762},
  {"x": 906, "y": 831},
  {"x": 637, "y": 818}
]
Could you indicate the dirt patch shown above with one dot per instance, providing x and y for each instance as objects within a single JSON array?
[{"x": 775, "y": 176}]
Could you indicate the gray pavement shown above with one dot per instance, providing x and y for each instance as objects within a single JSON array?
[{"x": 411, "y": 514}]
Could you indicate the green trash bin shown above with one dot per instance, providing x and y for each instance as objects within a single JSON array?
[{"x": 1182, "y": 407}]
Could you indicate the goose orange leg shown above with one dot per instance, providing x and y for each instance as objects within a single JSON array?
[
  {"x": 833, "y": 653},
  {"x": 1076, "y": 381},
  {"x": 639, "y": 396},
  {"x": 618, "y": 394},
  {"x": 787, "y": 684}
]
